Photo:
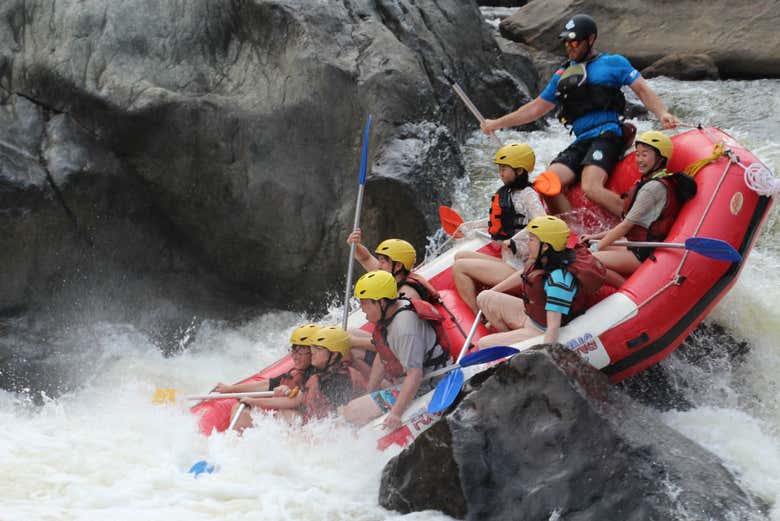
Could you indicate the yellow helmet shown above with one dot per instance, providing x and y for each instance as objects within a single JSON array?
[
  {"x": 549, "y": 229},
  {"x": 334, "y": 339},
  {"x": 516, "y": 155},
  {"x": 376, "y": 285},
  {"x": 303, "y": 335},
  {"x": 659, "y": 141},
  {"x": 399, "y": 251}
]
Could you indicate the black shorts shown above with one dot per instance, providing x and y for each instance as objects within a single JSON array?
[
  {"x": 642, "y": 254},
  {"x": 603, "y": 151}
]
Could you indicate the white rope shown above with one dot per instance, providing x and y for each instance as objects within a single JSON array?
[{"x": 760, "y": 179}]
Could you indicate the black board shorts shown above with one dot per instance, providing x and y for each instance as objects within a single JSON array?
[{"x": 603, "y": 151}]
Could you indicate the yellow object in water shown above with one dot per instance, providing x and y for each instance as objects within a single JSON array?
[{"x": 162, "y": 396}]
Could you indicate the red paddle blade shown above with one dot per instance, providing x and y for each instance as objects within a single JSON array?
[{"x": 450, "y": 219}]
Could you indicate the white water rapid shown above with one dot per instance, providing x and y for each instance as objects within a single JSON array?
[{"x": 103, "y": 451}]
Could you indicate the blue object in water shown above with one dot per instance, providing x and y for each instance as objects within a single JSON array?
[{"x": 200, "y": 467}]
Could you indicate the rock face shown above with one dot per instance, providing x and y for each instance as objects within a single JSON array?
[
  {"x": 232, "y": 129},
  {"x": 684, "y": 66},
  {"x": 546, "y": 437},
  {"x": 741, "y": 38}
]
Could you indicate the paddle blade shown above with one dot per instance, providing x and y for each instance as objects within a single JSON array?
[
  {"x": 548, "y": 183},
  {"x": 164, "y": 396},
  {"x": 488, "y": 354},
  {"x": 450, "y": 219},
  {"x": 200, "y": 467},
  {"x": 364, "y": 152},
  {"x": 713, "y": 248},
  {"x": 446, "y": 391}
]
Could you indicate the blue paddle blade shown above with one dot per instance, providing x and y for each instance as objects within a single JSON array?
[
  {"x": 364, "y": 153},
  {"x": 446, "y": 391},
  {"x": 200, "y": 467},
  {"x": 488, "y": 354},
  {"x": 713, "y": 248}
]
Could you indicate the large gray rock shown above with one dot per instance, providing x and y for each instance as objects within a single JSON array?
[
  {"x": 239, "y": 123},
  {"x": 741, "y": 37},
  {"x": 546, "y": 437},
  {"x": 684, "y": 66}
]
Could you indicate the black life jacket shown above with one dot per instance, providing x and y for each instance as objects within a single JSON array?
[
  {"x": 577, "y": 96},
  {"x": 505, "y": 221}
]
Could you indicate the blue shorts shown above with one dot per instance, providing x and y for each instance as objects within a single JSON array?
[{"x": 385, "y": 398}]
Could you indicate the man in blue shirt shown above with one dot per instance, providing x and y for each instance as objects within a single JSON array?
[{"x": 587, "y": 93}]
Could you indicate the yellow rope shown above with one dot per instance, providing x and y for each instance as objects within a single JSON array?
[{"x": 717, "y": 151}]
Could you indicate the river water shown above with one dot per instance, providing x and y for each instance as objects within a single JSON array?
[{"x": 103, "y": 451}]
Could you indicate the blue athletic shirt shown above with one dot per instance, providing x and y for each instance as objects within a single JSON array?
[
  {"x": 612, "y": 70},
  {"x": 560, "y": 287}
]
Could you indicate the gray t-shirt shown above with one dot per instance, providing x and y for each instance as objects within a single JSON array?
[
  {"x": 648, "y": 205},
  {"x": 409, "y": 338}
]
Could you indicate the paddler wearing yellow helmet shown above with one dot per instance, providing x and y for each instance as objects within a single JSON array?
[
  {"x": 650, "y": 208},
  {"x": 514, "y": 204},
  {"x": 300, "y": 342},
  {"x": 326, "y": 387},
  {"x": 549, "y": 293},
  {"x": 407, "y": 344},
  {"x": 587, "y": 93}
]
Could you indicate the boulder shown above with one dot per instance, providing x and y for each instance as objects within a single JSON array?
[
  {"x": 546, "y": 437},
  {"x": 741, "y": 38},
  {"x": 684, "y": 66},
  {"x": 238, "y": 126}
]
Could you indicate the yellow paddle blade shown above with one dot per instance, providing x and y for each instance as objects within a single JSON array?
[{"x": 162, "y": 396}]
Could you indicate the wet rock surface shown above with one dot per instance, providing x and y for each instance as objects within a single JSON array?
[
  {"x": 227, "y": 136},
  {"x": 545, "y": 435},
  {"x": 716, "y": 29}
]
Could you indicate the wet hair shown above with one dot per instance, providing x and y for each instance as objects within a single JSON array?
[
  {"x": 554, "y": 259},
  {"x": 521, "y": 181}
]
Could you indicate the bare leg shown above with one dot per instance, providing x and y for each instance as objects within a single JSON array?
[
  {"x": 620, "y": 263},
  {"x": 361, "y": 410},
  {"x": 504, "y": 312},
  {"x": 559, "y": 204},
  {"x": 593, "y": 180},
  {"x": 510, "y": 337},
  {"x": 469, "y": 273}
]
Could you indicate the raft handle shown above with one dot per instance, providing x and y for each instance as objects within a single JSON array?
[{"x": 638, "y": 341}]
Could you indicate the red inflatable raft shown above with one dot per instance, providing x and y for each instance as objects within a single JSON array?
[{"x": 652, "y": 313}]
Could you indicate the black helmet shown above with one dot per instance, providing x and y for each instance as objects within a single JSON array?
[{"x": 579, "y": 27}]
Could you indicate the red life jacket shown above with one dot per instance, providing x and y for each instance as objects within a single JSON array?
[
  {"x": 326, "y": 390},
  {"x": 587, "y": 269},
  {"x": 425, "y": 311},
  {"x": 421, "y": 285},
  {"x": 295, "y": 378},
  {"x": 505, "y": 220},
  {"x": 658, "y": 229}
]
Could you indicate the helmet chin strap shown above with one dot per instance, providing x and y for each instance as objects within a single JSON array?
[{"x": 383, "y": 310}]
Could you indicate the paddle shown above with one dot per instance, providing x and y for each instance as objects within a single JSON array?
[
  {"x": 358, "y": 208},
  {"x": 199, "y": 467},
  {"x": 448, "y": 389},
  {"x": 547, "y": 183},
  {"x": 203, "y": 466},
  {"x": 216, "y": 396},
  {"x": 473, "y": 109},
  {"x": 454, "y": 378},
  {"x": 712, "y": 248},
  {"x": 482, "y": 356},
  {"x": 450, "y": 220}
]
